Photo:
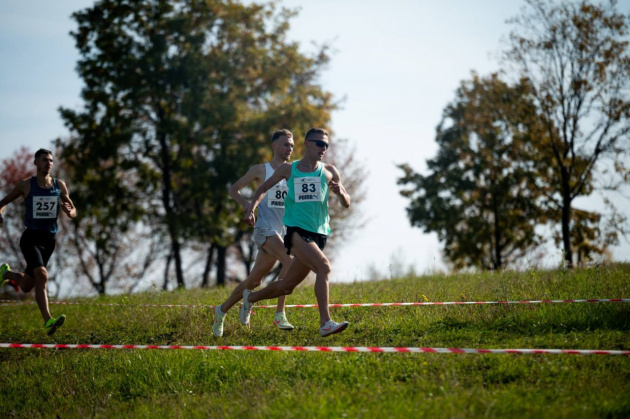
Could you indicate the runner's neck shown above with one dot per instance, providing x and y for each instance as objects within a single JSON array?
[
  {"x": 306, "y": 166},
  {"x": 276, "y": 162},
  {"x": 44, "y": 181}
]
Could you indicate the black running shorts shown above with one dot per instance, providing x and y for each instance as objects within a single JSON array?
[
  {"x": 307, "y": 236},
  {"x": 37, "y": 247}
]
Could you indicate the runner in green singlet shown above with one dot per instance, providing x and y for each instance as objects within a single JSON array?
[{"x": 306, "y": 217}]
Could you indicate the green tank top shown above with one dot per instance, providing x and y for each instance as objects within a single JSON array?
[{"x": 306, "y": 204}]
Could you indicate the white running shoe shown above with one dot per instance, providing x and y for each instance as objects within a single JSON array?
[
  {"x": 281, "y": 321},
  {"x": 217, "y": 326},
  {"x": 330, "y": 328},
  {"x": 246, "y": 308}
]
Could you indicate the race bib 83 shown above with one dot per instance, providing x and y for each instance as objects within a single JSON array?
[{"x": 307, "y": 189}]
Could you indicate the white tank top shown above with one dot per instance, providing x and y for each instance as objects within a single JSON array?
[{"x": 271, "y": 208}]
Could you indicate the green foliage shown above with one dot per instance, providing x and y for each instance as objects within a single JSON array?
[
  {"x": 143, "y": 383},
  {"x": 482, "y": 196},
  {"x": 180, "y": 99},
  {"x": 515, "y": 157},
  {"x": 575, "y": 56}
]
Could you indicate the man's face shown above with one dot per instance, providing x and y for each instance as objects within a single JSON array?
[
  {"x": 316, "y": 145},
  {"x": 283, "y": 147},
  {"x": 44, "y": 163}
]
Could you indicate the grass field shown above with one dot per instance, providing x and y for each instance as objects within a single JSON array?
[{"x": 150, "y": 383}]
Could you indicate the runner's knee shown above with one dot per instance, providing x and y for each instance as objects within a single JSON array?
[
  {"x": 323, "y": 268},
  {"x": 286, "y": 288},
  {"x": 254, "y": 283},
  {"x": 27, "y": 285},
  {"x": 286, "y": 260},
  {"x": 41, "y": 275}
]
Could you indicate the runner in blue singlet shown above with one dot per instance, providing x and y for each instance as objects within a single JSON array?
[
  {"x": 306, "y": 218},
  {"x": 43, "y": 197}
]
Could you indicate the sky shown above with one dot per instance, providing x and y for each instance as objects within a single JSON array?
[{"x": 395, "y": 66}]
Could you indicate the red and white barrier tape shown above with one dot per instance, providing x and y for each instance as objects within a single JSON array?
[
  {"x": 324, "y": 349},
  {"x": 9, "y": 303},
  {"x": 441, "y": 303},
  {"x": 420, "y": 303}
]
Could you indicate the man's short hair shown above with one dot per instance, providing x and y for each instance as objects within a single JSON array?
[
  {"x": 279, "y": 133},
  {"x": 41, "y": 152},
  {"x": 314, "y": 131}
]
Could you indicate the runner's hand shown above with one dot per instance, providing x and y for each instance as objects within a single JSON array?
[
  {"x": 66, "y": 207},
  {"x": 249, "y": 218},
  {"x": 336, "y": 187}
]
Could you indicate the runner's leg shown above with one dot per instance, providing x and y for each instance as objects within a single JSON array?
[
  {"x": 18, "y": 277},
  {"x": 275, "y": 247},
  {"x": 310, "y": 255},
  {"x": 37, "y": 250},
  {"x": 295, "y": 275},
  {"x": 263, "y": 264},
  {"x": 41, "y": 294}
]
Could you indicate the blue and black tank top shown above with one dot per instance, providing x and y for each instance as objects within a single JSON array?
[{"x": 42, "y": 207}]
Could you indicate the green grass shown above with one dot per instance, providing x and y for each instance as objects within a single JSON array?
[{"x": 144, "y": 383}]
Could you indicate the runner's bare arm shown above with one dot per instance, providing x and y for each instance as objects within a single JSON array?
[
  {"x": 66, "y": 203},
  {"x": 12, "y": 196},
  {"x": 283, "y": 172},
  {"x": 337, "y": 188},
  {"x": 255, "y": 173}
]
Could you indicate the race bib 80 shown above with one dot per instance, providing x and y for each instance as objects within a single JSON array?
[
  {"x": 44, "y": 207},
  {"x": 276, "y": 195},
  {"x": 307, "y": 189}
]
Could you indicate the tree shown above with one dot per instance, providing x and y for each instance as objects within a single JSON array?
[
  {"x": 106, "y": 237},
  {"x": 575, "y": 57},
  {"x": 344, "y": 221},
  {"x": 179, "y": 96},
  {"x": 480, "y": 196}
]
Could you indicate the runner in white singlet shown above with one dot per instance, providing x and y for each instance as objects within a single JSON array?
[{"x": 268, "y": 232}]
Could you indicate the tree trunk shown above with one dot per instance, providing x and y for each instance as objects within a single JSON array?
[
  {"x": 221, "y": 253},
  {"x": 166, "y": 269},
  {"x": 205, "y": 281},
  {"x": 566, "y": 219},
  {"x": 167, "y": 201},
  {"x": 246, "y": 252},
  {"x": 497, "y": 235},
  {"x": 177, "y": 254}
]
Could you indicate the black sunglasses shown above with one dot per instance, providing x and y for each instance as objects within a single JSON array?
[{"x": 320, "y": 143}]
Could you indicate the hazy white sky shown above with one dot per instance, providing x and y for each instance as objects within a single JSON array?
[{"x": 396, "y": 63}]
